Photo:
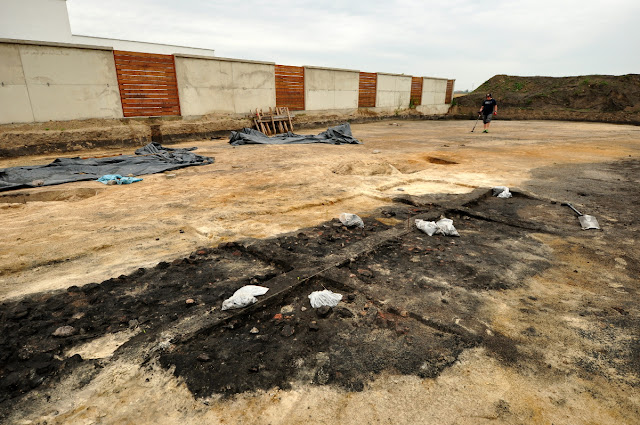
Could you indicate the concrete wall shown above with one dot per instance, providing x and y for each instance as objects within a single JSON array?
[
  {"x": 42, "y": 83},
  {"x": 393, "y": 91},
  {"x": 56, "y": 81},
  {"x": 330, "y": 88},
  {"x": 208, "y": 85},
  {"x": 434, "y": 91},
  {"x": 14, "y": 96}
]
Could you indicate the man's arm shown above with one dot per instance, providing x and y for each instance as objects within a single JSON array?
[{"x": 495, "y": 109}]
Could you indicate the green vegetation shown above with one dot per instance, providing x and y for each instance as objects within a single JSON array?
[
  {"x": 454, "y": 102},
  {"x": 517, "y": 86},
  {"x": 586, "y": 82}
]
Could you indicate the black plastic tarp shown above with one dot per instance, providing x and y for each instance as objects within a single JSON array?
[
  {"x": 338, "y": 135},
  {"x": 150, "y": 159}
]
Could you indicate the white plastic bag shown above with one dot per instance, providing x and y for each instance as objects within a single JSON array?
[
  {"x": 326, "y": 297},
  {"x": 244, "y": 296},
  {"x": 351, "y": 220},
  {"x": 501, "y": 192},
  {"x": 429, "y": 227},
  {"x": 444, "y": 226}
]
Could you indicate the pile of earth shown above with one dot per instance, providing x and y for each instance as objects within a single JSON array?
[{"x": 603, "y": 98}]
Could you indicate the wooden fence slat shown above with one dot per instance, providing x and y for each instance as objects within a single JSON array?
[
  {"x": 449, "y": 95},
  {"x": 147, "y": 84},
  {"x": 367, "y": 89},
  {"x": 416, "y": 91},
  {"x": 289, "y": 87}
]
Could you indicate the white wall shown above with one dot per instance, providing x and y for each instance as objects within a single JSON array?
[
  {"x": 140, "y": 46},
  {"x": 209, "y": 85},
  {"x": 45, "y": 20},
  {"x": 330, "y": 88},
  {"x": 48, "y": 20}
]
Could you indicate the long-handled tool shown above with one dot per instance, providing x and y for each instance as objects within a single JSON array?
[
  {"x": 586, "y": 221},
  {"x": 474, "y": 126}
]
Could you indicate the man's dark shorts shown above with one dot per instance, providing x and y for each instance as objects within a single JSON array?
[{"x": 486, "y": 118}]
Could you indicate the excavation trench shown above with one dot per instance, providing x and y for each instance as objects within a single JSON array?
[{"x": 409, "y": 306}]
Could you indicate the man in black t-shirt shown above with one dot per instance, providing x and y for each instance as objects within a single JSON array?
[{"x": 489, "y": 106}]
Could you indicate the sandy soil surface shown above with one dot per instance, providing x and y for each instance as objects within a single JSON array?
[{"x": 572, "y": 320}]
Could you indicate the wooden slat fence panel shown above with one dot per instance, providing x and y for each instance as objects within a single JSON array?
[
  {"x": 367, "y": 90},
  {"x": 290, "y": 87},
  {"x": 147, "y": 82},
  {"x": 416, "y": 91},
  {"x": 449, "y": 96}
]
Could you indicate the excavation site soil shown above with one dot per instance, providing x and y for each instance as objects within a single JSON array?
[{"x": 110, "y": 296}]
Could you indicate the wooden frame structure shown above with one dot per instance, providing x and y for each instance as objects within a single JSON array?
[{"x": 276, "y": 121}]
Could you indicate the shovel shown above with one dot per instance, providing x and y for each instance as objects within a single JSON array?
[{"x": 586, "y": 221}]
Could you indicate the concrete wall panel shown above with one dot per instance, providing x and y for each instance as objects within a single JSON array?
[
  {"x": 14, "y": 104},
  {"x": 58, "y": 83},
  {"x": 319, "y": 79},
  {"x": 245, "y": 100},
  {"x": 10, "y": 65},
  {"x": 67, "y": 66},
  {"x": 440, "y": 86},
  {"x": 330, "y": 89},
  {"x": 209, "y": 85},
  {"x": 253, "y": 76},
  {"x": 200, "y": 73},
  {"x": 80, "y": 101},
  {"x": 14, "y": 96},
  {"x": 440, "y": 109},
  {"x": 346, "y": 99},
  {"x": 428, "y": 98},
  {"x": 347, "y": 81},
  {"x": 434, "y": 91},
  {"x": 393, "y": 91}
]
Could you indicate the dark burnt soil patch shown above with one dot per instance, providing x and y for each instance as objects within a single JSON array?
[
  {"x": 410, "y": 301},
  {"x": 149, "y": 298},
  {"x": 345, "y": 346},
  {"x": 476, "y": 260},
  {"x": 329, "y": 238}
]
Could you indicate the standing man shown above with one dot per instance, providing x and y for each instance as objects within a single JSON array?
[{"x": 489, "y": 106}]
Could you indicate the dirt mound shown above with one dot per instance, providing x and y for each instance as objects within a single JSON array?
[{"x": 604, "y": 98}]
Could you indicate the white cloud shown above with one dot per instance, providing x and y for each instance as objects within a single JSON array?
[{"x": 463, "y": 39}]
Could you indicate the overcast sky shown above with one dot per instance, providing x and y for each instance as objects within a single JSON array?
[{"x": 470, "y": 41}]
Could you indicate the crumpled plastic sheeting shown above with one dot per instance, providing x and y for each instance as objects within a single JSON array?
[
  {"x": 501, "y": 192},
  {"x": 244, "y": 296},
  {"x": 444, "y": 226},
  {"x": 338, "y": 135},
  {"x": 351, "y": 220},
  {"x": 118, "y": 179},
  {"x": 150, "y": 159},
  {"x": 326, "y": 297}
]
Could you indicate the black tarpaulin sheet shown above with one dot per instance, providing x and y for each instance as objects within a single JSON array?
[
  {"x": 150, "y": 159},
  {"x": 338, "y": 135}
]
